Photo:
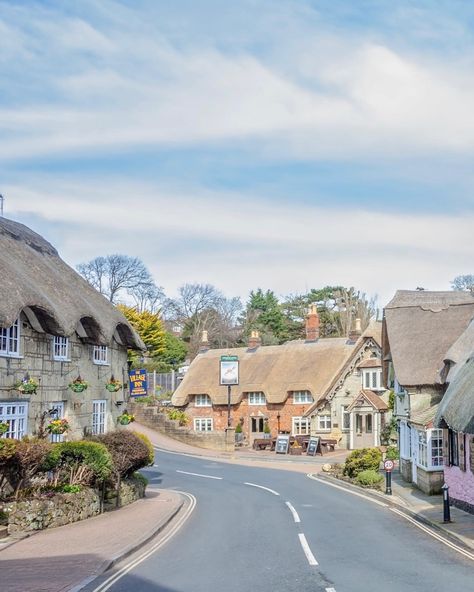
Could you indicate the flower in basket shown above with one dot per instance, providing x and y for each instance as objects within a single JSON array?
[
  {"x": 125, "y": 418},
  {"x": 57, "y": 426},
  {"x": 27, "y": 386},
  {"x": 78, "y": 385},
  {"x": 113, "y": 385},
  {"x": 4, "y": 427}
]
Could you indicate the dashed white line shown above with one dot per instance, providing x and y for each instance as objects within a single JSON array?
[
  {"x": 296, "y": 518},
  {"x": 262, "y": 487},
  {"x": 330, "y": 589},
  {"x": 199, "y": 475},
  {"x": 307, "y": 551}
]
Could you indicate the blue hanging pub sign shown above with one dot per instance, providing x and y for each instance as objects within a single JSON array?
[{"x": 138, "y": 383}]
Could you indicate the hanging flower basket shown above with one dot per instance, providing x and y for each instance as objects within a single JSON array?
[
  {"x": 28, "y": 386},
  {"x": 4, "y": 427},
  {"x": 125, "y": 418},
  {"x": 113, "y": 385},
  {"x": 58, "y": 426},
  {"x": 78, "y": 385}
]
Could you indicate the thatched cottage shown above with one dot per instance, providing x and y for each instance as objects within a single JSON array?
[
  {"x": 419, "y": 327},
  {"x": 281, "y": 386},
  {"x": 54, "y": 330},
  {"x": 455, "y": 417}
]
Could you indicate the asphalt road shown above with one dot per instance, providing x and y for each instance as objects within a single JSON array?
[{"x": 310, "y": 537}]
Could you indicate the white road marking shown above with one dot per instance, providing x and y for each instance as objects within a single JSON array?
[
  {"x": 330, "y": 589},
  {"x": 262, "y": 487},
  {"x": 307, "y": 551},
  {"x": 198, "y": 475},
  {"x": 366, "y": 497},
  {"x": 434, "y": 534},
  {"x": 131, "y": 564},
  {"x": 294, "y": 512}
]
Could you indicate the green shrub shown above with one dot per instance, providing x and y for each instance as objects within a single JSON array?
[
  {"x": 139, "y": 477},
  {"x": 30, "y": 455},
  {"x": 238, "y": 428},
  {"x": 149, "y": 400},
  {"x": 151, "y": 451},
  {"x": 66, "y": 488},
  {"x": 179, "y": 416},
  {"x": 79, "y": 463},
  {"x": 392, "y": 453},
  {"x": 361, "y": 460},
  {"x": 7, "y": 463},
  {"x": 369, "y": 478}
]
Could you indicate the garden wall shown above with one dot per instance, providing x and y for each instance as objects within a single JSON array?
[
  {"x": 151, "y": 417},
  {"x": 64, "y": 508}
]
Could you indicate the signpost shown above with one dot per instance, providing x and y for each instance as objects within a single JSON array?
[
  {"x": 138, "y": 383},
  {"x": 388, "y": 466},
  {"x": 313, "y": 446},
  {"x": 282, "y": 444},
  {"x": 229, "y": 375}
]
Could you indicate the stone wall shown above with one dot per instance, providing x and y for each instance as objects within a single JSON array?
[
  {"x": 64, "y": 508},
  {"x": 152, "y": 418},
  {"x": 36, "y": 359}
]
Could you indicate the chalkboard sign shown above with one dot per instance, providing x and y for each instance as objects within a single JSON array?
[
  {"x": 313, "y": 446},
  {"x": 282, "y": 444}
]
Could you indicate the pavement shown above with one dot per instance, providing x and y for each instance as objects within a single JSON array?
[{"x": 67, "y": 558}]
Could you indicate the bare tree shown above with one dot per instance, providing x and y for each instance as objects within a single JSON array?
[
  {"x": 148, "y": 297},
  {"x": 114, "y": 273},
  {"x": 463, "y": 283}
]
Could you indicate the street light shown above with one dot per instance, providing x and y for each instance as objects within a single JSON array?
[{"x": 278, "y": 420}]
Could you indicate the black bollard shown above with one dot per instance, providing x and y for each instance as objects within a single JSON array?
[
  {"x": 388, "y": 482},
  {"x": 446, "y": 510}
]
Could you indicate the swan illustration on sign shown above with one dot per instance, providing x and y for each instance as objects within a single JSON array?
[{"x": 229, "y": 370}]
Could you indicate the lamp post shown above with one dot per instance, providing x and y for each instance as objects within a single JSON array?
[{"x": 278, "y": 420}]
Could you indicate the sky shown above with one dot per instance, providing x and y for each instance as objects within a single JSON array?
[{"x": 286, "y": 144}]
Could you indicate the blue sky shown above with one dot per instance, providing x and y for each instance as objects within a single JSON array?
[{"x": 284, "y": 145}]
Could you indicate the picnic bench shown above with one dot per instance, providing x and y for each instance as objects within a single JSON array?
[
  {"x": 263, "y": 443},
  {"x": 328, "y": 445}
]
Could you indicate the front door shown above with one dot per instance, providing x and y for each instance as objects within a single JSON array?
[
  {"x": 257, "y": 425},
  {"x": 364, "y": 430}
]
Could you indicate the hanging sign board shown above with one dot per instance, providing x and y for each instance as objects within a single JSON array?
[
  {"x": 229, "y": 370},
  {"x": 282, "y": 444},
  {"x": 138, "y": 383},
  {"x": 313, "y": 446}
]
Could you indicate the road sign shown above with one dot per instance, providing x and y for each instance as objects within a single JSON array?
[{"x": 388, "y": 465}]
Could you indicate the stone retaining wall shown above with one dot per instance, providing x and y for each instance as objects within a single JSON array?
[
  {"x": 151, "y": 417},
  {"x": 64, "y": 508}
]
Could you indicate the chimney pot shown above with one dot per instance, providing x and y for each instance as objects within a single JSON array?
[
  {"x": 254, "y": 340},
  {"x": 204, "y": 345},
  {"x": 356, "y": 332}
]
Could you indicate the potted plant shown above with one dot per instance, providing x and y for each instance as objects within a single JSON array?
[
  {"x": 57, "y": 426},
  {"x": 4, "y": 427},
  {"x": 266, "y": 430},
  {"x": 78, "y": 385},
  {"x": 27, "y": 386},
  {"x": 296, "y": 448},
  {"x": 125, "y": 418},
  {"x": 113, "y": 385}
]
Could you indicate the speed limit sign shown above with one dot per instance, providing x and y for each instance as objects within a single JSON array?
[{"x": 388, "y": 465}]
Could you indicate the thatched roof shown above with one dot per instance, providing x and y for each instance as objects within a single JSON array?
[
  {"x": 460, "y": 351},
  {"x": 54, "y": 297},
  {"x": 275, "y": 370},
  {"x": 457, "y": 407},
  {"x": 421, "y": 326}
]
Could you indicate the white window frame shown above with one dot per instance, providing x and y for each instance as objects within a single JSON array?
[
  {"x": 430, "y": 449},
  {"x": 203, "y": 424},
  {"x": 100, "y": 355},
  {"x": 60, "y": 348},
  {"x": 99, "y": 416},
  {"x": 405, "y": 441},
  {"x": 323, "y": 422},
  {"x": 302, "y": 397},
  {"x": 301, "y": 426},
  {"x": 345, "y": 413},
  {"x": 372, "y": 379},
  {"x": 257, "y": 398},
  {"x": 15, "y": 413},
  {"x": 10, "y": 340},
  {"x": 202, "y": 401}
]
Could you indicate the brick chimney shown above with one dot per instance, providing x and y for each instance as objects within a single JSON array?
[
  {"x": 204, "y": 344},
  {"x": 312, "y": 324},
  {"x": 356, "y": 331},
  {"x": 254, "y": 340}
]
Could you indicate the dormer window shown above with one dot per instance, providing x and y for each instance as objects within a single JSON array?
[
  {"x": 372, "y": 379},
  {"x": 257, "y": 398},
  {"x": 203, "y": 401},
  {"x": 60, "y": 348},
  {"x": 302, "y": 397},
  {"x": 100, "y": 354},
  {"x": 10, "y": 340}
]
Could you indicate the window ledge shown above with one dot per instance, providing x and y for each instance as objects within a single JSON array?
[
  {"x": 61, "y": 359},
  {"x": 13, "y": 356},
  {"x": 100, "y": 363}
]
